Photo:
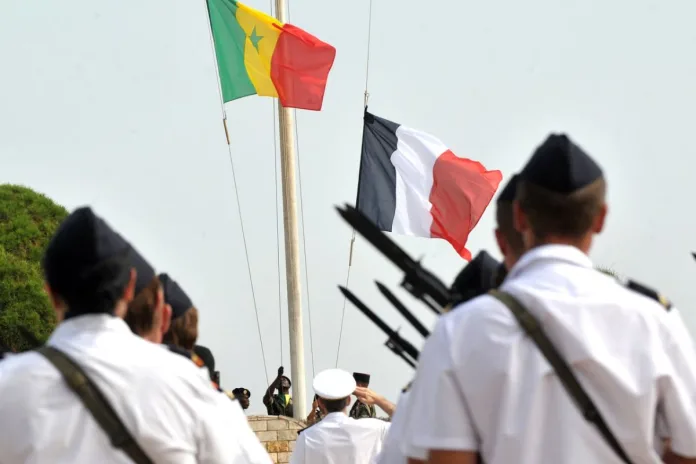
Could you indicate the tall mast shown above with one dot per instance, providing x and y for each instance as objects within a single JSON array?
[{"x": 286, "y": 123}]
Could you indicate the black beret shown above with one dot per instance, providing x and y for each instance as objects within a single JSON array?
[
  {"x": 206, "y": 356},
  {"x": 477, "y": 277},
  {"x": 361, "y": 378},
  {"x": 288, "y": 379},
  {"x": 175, "y": 296},
  {"x": 241, "y": 392},
  {"x": 87, "y": 263},
  {"x": 507, "y": 195},
  {"x": 144, "y": 271},
  {"x": 560, "y": 166}
]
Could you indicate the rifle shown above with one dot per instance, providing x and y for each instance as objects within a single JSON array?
[
  {"x": 408, "y": 315},
  {"x": 396, "y": 343},
  {"x": 418, "y": 281}
]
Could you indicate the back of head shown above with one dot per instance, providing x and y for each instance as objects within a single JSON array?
[
  {"x": 183, "y": 331},
  {"x": 561, "y": 193},
  {"x": 142, "y": 316},
  {"x": 334, "y": 387},
  {"x": 477, "y": 278},
  {"x": 505, "y": 223},
  {"x": 207, "y": 357},
  {"x": 87, "y": 264}
]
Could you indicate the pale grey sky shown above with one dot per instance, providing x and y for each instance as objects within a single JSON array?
[{"x": 115, "y": 104}]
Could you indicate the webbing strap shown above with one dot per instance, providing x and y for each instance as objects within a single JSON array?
[
  {"x": 96, "y": 403},
  {"x": 571, "y": 384}
]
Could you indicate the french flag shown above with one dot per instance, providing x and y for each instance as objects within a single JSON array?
[{"x": 412, "y": 184}]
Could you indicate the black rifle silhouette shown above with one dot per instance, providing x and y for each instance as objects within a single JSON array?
[
  {"x": 396, "y": 343},
  {"x": 408, "y": 315},
  {"x": 418, "y": 281}
]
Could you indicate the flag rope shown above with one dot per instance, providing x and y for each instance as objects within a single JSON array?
[
  {"x": 352, "y": 239},
  {"x": 236, "y": 192},
  {"x": 246, "y": 255}
]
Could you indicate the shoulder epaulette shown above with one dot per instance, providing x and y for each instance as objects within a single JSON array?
[
  {"x": 197, "y": 360},
  {"x": 649, "y": 292},
  {"x": 308, "y": 427}
]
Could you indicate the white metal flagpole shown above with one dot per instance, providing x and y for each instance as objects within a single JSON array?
[{"x": 286, "y": 123}]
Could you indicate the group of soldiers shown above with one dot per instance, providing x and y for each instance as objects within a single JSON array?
[
  {"x": 543, "y": 358},
  {"x": 540, "y": 358}
]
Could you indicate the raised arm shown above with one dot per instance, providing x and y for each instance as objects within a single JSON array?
[
  {"x": 369, "y": 397},
  {"x": 275, "y": 385}
]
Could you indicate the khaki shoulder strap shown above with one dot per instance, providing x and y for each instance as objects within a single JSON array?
[
  {"x": 533, "y": 329},
  {"x": 96, "y": 403}
]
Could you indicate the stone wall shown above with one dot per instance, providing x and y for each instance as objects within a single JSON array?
[{"x": 277, "y": 433}]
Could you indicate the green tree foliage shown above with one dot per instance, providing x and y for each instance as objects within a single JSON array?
[{"x": 27, "y": 221}]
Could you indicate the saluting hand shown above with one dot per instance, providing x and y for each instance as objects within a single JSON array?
[
  {"x": 281, "y": 370},
  {"x": 366, "y": 396}
]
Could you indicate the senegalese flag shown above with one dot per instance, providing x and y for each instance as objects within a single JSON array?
[{"x": 257, "y": 54}]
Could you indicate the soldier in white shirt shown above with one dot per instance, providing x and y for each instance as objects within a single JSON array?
[
  {"x": 477, "y": 277},
  {"x": 484, "y": 387},
  {"x": 337, "y": 438},
  {"x": 170, "y": 410}
]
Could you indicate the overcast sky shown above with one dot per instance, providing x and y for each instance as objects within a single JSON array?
[{"x": 115, "y": 105}]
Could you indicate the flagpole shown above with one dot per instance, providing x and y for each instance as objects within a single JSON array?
[{"x": 286, "y": 123}]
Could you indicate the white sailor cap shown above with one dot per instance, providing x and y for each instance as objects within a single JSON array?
[{"x": 334, "y": 384}]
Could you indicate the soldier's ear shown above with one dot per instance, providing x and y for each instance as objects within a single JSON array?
[{"x": 166, "y": 318}]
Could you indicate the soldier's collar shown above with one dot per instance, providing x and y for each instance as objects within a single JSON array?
[{"x": 563, "y": 253}]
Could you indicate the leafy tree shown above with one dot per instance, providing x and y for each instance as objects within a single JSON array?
[
  {"x": 26, "y": 315},
  {"x": 27, "y": 221}
]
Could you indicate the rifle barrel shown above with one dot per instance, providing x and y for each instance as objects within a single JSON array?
[
  {"x": 408, "y": 315},
  {"x": 392, "y": 334}
]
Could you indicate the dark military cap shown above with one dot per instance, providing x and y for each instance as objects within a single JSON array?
[
  {"x": 507, "y": 195},
  {"x": 288, "y": 379},
  {"x": 206, "y": 356},
  {"x": 238, "y": 392},
  {"x": 560, "y": 166},
  {"x": 87, "y": 263},
  {"x": 361, "y": 378},
  {"x": 175, "y": 296},
  {"x": 477, "y": 278},
  {"x": 144, "y": 271}
]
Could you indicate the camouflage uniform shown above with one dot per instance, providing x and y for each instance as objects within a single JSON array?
[
  {"x": 279, "y": 408},
  {"x": 362, "y": 411}
]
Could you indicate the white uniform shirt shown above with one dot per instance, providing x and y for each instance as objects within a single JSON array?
[
  {"x": 391, "y": 449},
  {"x": 170, "y": 409},
  {"x": 489, "y": 388},
  {"x": 339, "y": 439}
]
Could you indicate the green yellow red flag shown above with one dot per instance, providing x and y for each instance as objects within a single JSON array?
[{"x": 257, "y": 54}]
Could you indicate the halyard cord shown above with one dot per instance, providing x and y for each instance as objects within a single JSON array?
[
  {"x": 246, "y": 254},
  {"x": 236, "y": 192},
  {"x": 304, "y": 241},
  {"x": 352, "y": 240}
]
